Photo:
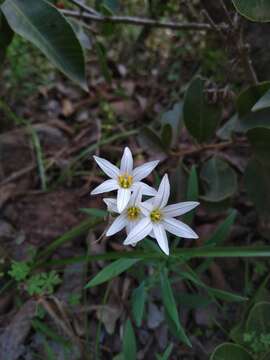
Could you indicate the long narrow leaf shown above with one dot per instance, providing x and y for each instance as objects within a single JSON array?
[
  {"x": 170, "y": 306},
  {"x": 109, "y": 272}
]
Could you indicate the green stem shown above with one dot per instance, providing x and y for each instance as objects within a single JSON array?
[{"x": 217, "y": 252}]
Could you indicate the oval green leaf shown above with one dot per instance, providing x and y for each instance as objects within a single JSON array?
[
  {"x": 259, "y": 319},
  {"x": 201, "y": 118},
  {"x": 220, "y": 180},
  {"x": 257, "y": 179},
  {"x": 254, "y": 10},
  {"x": 230, "y": 351},
  {"x": 43, "y": 25},
  {"x": 259, "y": 139}
]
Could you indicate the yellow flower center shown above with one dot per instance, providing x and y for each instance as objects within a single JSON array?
[
  {"x": 125, "y": 181},
  {"x": 156, "y": 215},
  {"x": 133, "y": 213}
]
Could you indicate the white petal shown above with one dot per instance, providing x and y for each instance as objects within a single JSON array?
[
  {"x": 111, "y": 170},
  {"x": 179, "y": 208},
  {"x": 162, "y": 197},
  {"x": 146, "y": 207},
  {"x": 123, "y": 196},
  {"x": 178, "y": 228},
  {"x": 139, "y": 232},
  {"x": 161, "y": 237},
  {"x": 146, "y": 189},
  {"x": 136, "y": 196},
  {"x": 111, "y": 204},
  {"x": 144, "y": 170},
  {"x": 131, "y": 225},
  {"x": 108, "y": 185},
  {"x": 118, "y": 224},
  {"x": 126, "y": 162}
]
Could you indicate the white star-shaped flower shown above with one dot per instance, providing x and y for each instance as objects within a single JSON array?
[
  {"x": 160, "y": 217},
  {"x": 129, "y": 217},
  {"x": 126, "y": 179}
]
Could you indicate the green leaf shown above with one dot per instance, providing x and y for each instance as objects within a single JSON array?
[
  {"x": 259, "y": 139},
  {"x": 6, "y": 36},
  {"x": 166, "y": 136},
  {"x": 230, "y": 351},
  {"x": 216, "y": 293},
  {"x": 227, "y": 130},
  {"x": 220, "y": 180},
  {"x": 258, "y": 320},
  {"x": 138, "y": 303},
  {"x": 223, "y": 230},
  {"x": 248, "y": 118},
  {"x": 257, "y": 180},
  {"x": 44, "y": 26},
  {"x": 167, "y": 353},
  {"x": 250, "y": 96},
  {"x": 170, "y": 306},
  {"x": 96, "y": 213},
  {"x": 254, "y": 10},
  {"x": 226, "y": 295},
  {"x": 200, "y": 117},
  {"x": 111, "y": 271},
  {"x": 174, "y": 118},
  {"x": 129, "y": 342},
  {"x": 192, "y": 192},
  {"x": 263, "y": 102}
]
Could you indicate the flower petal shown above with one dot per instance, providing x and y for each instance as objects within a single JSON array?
[
  {"x": 162, "y": 196},
  {"x": 139, "y": 232},
  {"x": 136, "y": 196},
  {"x": 146, "y": 189},
  {"x": 111, "y": 170},
  {"x": 123, "y": 196},
  {"x": 178, "y": 228},
  {"x": 118, "y": 224},
  {"x": 131, "y": 225},
  {"x": 111, "y": 204},
  {"x": 106, "y": 186},
  {"x": 146, "y": 207},
  {"x": 179, "y": 208},
  {"x": 126, "y": 162},
  {"x": 144, "y": 170},
  {"x": 161, "y": 237}
]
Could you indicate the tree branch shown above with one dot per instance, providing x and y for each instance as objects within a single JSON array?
[
  {"x": 84, "y": 7},
  {"x": 132, "y": 20}
]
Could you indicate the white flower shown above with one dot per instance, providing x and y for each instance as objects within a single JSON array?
[
  {"x": 159, "y": 218},
  {"x": 126, "y": 179},
  {"x": 129, "y": 217}
]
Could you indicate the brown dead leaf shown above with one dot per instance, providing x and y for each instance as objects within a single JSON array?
[
  {"x": 13, "y": 337},
  {"x": 67, "y": 108}
]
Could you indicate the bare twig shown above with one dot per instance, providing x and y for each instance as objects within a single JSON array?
[
  {"x": 85, "y": 7},
  {"x": 132, "y": 20},
  {"x": 201, "y": 148}
]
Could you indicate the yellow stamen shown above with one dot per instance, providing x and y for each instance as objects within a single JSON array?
[
  {"x": 133, "y": 213},
  {"x": 125, "y": 181},
  {"x": 156, "y": 215}
]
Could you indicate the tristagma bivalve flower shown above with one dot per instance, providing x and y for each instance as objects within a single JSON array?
[
  {"x": 129, "y": 217},
  {"x": 159, "y": 218},
  {"x": 126, "y": 179}
]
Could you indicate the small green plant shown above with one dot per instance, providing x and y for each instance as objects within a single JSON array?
[
  {"x": 38, "y": 284},
  {"x": 43, "y": 283},
  {"x": 19, "y": 270}
]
